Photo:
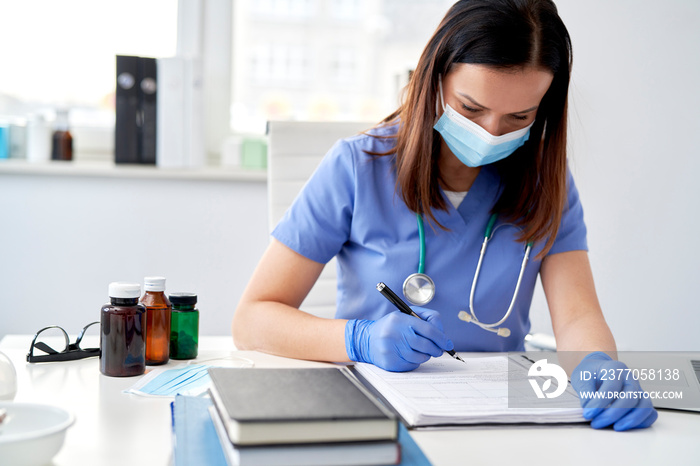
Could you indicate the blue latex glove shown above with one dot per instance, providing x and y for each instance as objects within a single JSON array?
[
  {"x": 397, "y": 342},
  {"x": 622, "y": 413}
]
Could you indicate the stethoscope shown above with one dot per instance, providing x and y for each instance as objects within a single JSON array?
[{"x": 419, "y": 288}]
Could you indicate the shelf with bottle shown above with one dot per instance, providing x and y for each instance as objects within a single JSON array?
[
  {"x": 108, "y": 169},
  {"x": 242, "y": 158}
]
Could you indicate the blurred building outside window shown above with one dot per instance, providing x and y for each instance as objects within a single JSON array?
[{"x": 292, "y": 59}]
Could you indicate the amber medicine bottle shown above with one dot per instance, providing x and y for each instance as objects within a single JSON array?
[
  {"x": 62, "y": 139},
  {"x": 157, "y": 321}
]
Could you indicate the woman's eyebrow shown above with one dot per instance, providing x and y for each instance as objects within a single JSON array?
[{"x": 471, "y": 99}]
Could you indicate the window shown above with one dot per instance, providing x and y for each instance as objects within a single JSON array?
[
  {"x": 62, "y": 53},
  {"x": 292, "y": 59},
  {"x": 325, "y": 59},
  {"x": 286, "y": 10},
  {"x": 345, "y": 10}
]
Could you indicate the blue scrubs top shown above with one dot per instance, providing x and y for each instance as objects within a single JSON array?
[{"x": 349, "y": 209}]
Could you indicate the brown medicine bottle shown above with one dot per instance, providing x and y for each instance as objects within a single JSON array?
[
  {"x": 157, "y": 321},
  {"x": 62, "y": 140},
  {"x": 123, "y": 332}
]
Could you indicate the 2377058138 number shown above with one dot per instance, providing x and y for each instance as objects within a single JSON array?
[{"x": 632, "y": 374}]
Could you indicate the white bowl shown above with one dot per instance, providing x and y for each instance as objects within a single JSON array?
[
  {"x": 8, "y": 379},
  {"x": 32, "y": 434}
]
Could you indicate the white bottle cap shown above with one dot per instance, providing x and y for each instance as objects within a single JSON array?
[
  {"x": 154, "y": 284},
  {"x": 61, "y": 122},
  {"x": 124, "y": 290}
]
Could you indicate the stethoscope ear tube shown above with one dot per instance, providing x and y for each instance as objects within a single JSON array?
[
  {"x": 421, "y": 239},
  {"x": 489, "y": 227},
  {"x": 419, "y": 288},
  {"x": 503, "y": 332}
]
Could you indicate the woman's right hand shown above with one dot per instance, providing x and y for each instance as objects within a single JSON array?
[{"x": 397, "y": 342}]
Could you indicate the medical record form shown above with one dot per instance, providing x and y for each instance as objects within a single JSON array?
[{"x": 445, "y": 391}]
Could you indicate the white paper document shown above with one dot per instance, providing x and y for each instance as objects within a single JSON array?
[{"x": 445, "y": 391}]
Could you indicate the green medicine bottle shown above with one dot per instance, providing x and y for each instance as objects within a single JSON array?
[{"x": 184, "y": 326}]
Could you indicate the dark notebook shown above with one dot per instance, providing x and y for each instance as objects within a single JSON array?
[{"x": 288, "y": 406}]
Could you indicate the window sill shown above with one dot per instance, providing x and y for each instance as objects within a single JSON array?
[{"x": 109, "y": 169}]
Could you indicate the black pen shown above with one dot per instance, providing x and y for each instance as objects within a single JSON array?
[{"x": 403, "y": 307}]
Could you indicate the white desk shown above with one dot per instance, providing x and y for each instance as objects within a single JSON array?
[{"x": 113, "y": 428}]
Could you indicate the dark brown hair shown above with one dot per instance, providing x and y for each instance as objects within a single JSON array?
[{"x": 503, "y": 34}]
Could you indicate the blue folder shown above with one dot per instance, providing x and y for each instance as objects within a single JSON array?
[{"x": 196, "y": 442}]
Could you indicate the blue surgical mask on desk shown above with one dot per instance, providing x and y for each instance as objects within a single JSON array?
[{"x": 189, "y": 380}]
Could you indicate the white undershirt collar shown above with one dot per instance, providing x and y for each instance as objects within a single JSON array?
[{"x": 455, "y": 197}]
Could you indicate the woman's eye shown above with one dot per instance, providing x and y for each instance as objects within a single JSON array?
[
  {"x": 519, "y": 117},
  {"x": 470, "y": 109}
]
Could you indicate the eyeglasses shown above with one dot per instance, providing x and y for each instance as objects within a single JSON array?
[{"x": 69, "y": 351}]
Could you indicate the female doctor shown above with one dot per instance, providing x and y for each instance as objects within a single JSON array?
[{"x": 477, "y": 149}]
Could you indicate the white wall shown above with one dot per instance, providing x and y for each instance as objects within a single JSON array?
[
  {"x": 635, "y": 115},
  {"x": 64, "y": 239}
]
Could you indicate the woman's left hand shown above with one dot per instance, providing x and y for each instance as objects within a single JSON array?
[{"x": 610, "y": 396}]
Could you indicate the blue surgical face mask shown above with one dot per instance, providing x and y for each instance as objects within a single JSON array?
[
  {"x": 187, "y": 380},
  {"x": 472, "y": 144}
]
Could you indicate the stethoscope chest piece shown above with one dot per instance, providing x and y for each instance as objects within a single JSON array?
[{"x": 419, "y": 289}]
